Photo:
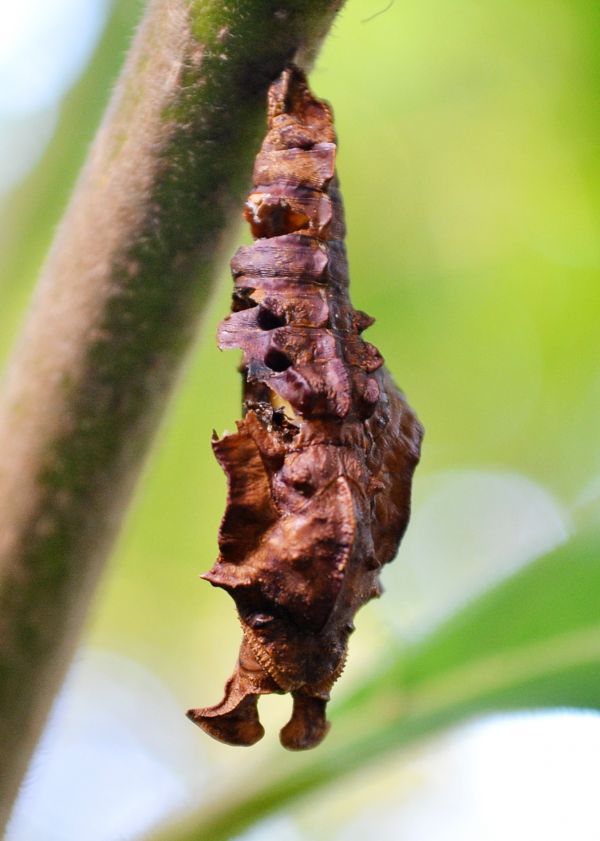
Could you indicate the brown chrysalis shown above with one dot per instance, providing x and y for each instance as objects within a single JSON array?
[{"x": 320, "y": 468}]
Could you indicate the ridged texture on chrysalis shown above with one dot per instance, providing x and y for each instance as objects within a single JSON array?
[{"x": 320, "y": 468}]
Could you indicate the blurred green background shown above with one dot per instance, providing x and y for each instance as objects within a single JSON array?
[{"x": 468, "y": 162}]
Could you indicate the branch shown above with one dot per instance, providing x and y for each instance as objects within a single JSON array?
[{"x": 129, "y": 273}]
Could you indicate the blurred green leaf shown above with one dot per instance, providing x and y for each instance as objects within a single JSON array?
[{"x": 533, "y": 641}]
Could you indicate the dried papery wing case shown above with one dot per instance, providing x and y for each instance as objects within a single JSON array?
[{"x": 320, "y": 468}]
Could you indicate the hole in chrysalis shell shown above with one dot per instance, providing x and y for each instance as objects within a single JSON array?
[
  {"x": 283, "y": 414},
  {"x": 277, "y": 360},
  {"x": 242, "y": 300},
  {"x": 268, "y": 320},
  {"x": 281, "y": 404},
  {"x": 284, "y": 428},
  {"x": 306, "y": 489}
]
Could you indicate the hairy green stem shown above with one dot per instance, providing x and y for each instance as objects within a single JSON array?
[{"x": 118, "y": 303}]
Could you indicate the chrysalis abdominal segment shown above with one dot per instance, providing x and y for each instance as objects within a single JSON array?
[{"x": 320, "y": 468}]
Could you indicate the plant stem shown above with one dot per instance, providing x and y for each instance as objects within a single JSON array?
[{"x": 128, "y": 275}]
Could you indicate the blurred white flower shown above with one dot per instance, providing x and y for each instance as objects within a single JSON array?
[
  {"x": 116, "y": 758},
  {"x": 275, "y": 829},
  {"x": 43, "y": 48},
  {"x": 523, "y": 777},
  {"x": 471, "y": 528}
]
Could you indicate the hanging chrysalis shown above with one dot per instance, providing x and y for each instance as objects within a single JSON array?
[{"x": 321, "y": 466}]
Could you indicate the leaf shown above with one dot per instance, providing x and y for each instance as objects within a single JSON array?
[{"x": 532, "y": 641}]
